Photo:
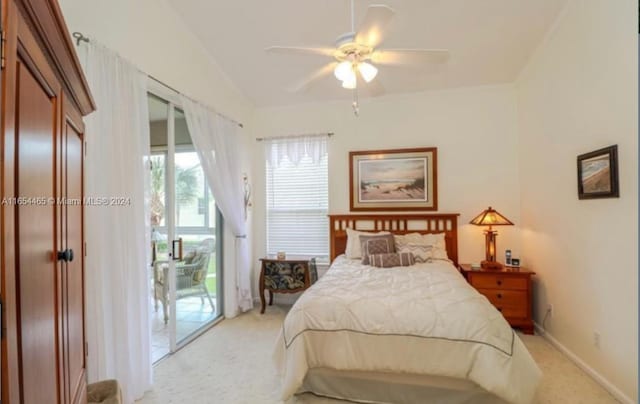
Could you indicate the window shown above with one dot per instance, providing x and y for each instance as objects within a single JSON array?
[{"x": 297, "y": 196}]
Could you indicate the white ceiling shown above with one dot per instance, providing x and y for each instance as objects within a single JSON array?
[{"x": 490, "y": 41}]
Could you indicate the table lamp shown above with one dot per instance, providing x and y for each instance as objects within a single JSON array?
[{"x": 490, "y": 217}]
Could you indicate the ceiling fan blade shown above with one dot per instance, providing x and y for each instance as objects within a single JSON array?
[
  {"x": 375, "y": 88},
  {"x": 373, "y": 25},
  {"x": 409, "y": 56},
  {"x": 300, "y": 50},
  {"x": 320, "y": 73}
]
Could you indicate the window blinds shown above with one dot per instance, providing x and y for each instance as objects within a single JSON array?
[{"x": 297, "y": 196}]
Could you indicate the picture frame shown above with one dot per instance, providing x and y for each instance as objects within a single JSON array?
[
  {"x": 598, "y": 174},
  {"x": 391, "y": 180}
]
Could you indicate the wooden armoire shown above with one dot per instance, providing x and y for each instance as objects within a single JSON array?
[{"x": 44, "y": 97}]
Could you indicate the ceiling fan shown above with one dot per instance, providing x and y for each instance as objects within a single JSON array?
[{"x": 356, "y": 53}]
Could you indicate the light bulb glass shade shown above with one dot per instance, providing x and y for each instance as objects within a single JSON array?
[
  {"x": 344, "y": 71},
  {"x": 368, "y": 71},
  {"x": 350, "y": 83}
]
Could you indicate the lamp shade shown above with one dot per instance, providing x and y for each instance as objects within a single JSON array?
[
  {"x": 344, "y": 71},
  {"x": 350, "y": 83},
  {"x": 368, "y": 71},
  {"x": 491, "y": 217}
]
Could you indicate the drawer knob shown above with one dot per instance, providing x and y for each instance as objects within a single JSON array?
[
  {"x": 499, "y": 295},
  {"x": 500, "y": 309},
  {"x": 499, "y": 282}
]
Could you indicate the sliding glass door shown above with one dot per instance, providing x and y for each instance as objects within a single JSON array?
[{"x": 186, "y": 234}]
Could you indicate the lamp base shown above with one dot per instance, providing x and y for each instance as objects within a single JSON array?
[{"x": 490, "y": 265}]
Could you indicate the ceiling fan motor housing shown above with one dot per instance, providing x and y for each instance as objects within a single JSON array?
[{"x": 349, "y": 50}]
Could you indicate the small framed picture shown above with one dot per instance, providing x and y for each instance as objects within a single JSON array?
[
  {"x": 515, "y": 262},
  {"x": 598, "y": 174}
]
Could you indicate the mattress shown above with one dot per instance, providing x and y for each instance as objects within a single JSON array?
[{"x": 419, "y": 320}]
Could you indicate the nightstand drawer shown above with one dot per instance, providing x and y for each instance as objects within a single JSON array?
[
  {"x": 510, "y": 312},
  {"x": 507, "y": 289},
  {"x": 506, "y": 298},
  {"x": 491, "y": 281}
]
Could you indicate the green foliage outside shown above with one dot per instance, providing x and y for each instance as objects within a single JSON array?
[{"x": 186, "y": 188}]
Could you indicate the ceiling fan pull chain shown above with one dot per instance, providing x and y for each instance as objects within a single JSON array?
[{"x": 355, "y": 105}]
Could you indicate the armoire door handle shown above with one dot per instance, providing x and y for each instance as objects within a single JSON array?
[{"x": 65, "y": 255}]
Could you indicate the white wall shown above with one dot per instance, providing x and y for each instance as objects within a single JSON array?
[
  {"x": 579, "y": 93},
  {"x": 474, "y": 130},
  {"x": 151, "y": 35}
]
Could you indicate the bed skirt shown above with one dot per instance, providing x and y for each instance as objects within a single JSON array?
[{"x": 387, "y": 388}]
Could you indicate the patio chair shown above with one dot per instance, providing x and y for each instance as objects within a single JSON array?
[{"x": 191, "y": 277}]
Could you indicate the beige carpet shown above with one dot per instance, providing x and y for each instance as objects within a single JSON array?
[{"x": 231, "y": 363}]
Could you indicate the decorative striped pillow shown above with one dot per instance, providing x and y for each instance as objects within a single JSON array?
[
  {"x": 424, "y": 247},
  {"x": 391, "y": 260},
  {"x": 420, "y": 252}
]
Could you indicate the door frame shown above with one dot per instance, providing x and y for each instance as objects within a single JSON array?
[{"x": 172, "y": 98}]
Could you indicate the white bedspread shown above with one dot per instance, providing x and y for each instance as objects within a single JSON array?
[{"x": 423, "y": 319}]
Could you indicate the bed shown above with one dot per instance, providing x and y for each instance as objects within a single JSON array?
[{"x": 409, "y": 334}]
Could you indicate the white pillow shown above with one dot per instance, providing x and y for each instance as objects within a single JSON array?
[
  {"x": 354, "y": 248},
  {"x": 423, "y": 246}
]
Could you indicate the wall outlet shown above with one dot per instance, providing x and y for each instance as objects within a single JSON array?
[{"x": 596, "y": 339}]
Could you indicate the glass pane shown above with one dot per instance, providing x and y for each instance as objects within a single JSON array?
[
  {"x": 196, "y": 274},
  {"x": 190, "y": 209},
  {"x": 158, "y": 117}
]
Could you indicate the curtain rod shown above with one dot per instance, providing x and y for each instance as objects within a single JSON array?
[
  {"x": 81, "y": 38},
  {"x": 260, "y": 139}
]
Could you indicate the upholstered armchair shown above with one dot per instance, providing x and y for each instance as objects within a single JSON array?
[
  {"x": 289, "y": 275},
  {"x": 191, "y": 277}
]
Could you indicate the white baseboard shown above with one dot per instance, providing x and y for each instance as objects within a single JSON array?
[{"x": 601, "y": 380}]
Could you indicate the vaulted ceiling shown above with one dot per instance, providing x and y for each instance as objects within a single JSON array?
[{"x": 490, "y": 41}]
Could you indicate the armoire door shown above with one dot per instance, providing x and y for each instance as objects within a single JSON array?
[
  {"x": 38, "y": 272},
  {"x": 72, "y": 239}
]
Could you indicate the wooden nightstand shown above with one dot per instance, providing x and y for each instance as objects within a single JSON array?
[
  {"x": 508, "y": 289},
  {"x": 290, "y": 275}
]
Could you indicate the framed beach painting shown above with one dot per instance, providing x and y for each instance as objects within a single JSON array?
[
  {"x": 598, "y": 174},
  {"x": 402, "y": 179}
]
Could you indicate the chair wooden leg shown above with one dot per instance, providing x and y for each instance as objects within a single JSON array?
[
  {"x": 270, "y": 298},
  {"x": 261, "y": 289}
]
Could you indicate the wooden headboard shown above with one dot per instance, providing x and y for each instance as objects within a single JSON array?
[{"x": 446, "y": 223}]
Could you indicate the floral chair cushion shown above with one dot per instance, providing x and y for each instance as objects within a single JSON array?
[{"x": 288, "y": 275}]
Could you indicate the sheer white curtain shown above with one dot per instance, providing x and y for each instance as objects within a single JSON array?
[
  {"x": 118, "y": 238},
  {"x": 217, "y": 141}
]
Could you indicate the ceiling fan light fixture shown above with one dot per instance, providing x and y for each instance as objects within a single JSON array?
[
  {"x": 368, "y": 71},
  {"x": 344, "y": 71},
  {"x": 350, "y": 83}
]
